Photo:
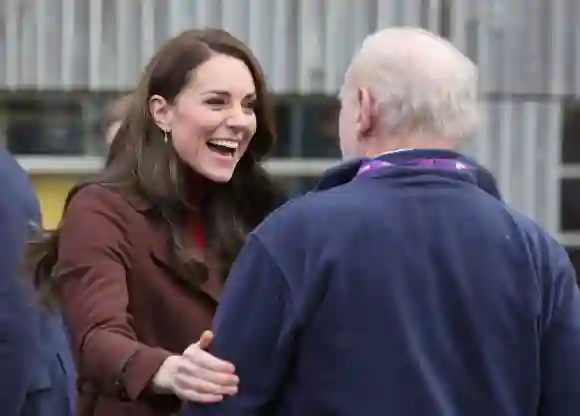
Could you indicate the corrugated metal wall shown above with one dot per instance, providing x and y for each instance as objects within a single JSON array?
[
  {"x": 522, "y": 46},
  {"x": 528, "y": 52},
  {"x": 304, "y": 45}
]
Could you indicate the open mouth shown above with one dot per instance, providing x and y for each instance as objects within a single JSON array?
[{"x": 223, "y": 147}]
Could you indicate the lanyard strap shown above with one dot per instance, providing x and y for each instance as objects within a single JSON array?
[{"x": 445, "y": 164}]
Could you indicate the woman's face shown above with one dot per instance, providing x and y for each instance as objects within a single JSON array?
[{"x": 212, "y": 120}]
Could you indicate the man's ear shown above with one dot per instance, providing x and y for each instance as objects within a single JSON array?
[
  {"x": 367, "y": 113},
  {"x": 161, "y": 111}
]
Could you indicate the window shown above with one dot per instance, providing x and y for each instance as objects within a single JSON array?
[
  {"x": 320, "y": 133},
  {"x": 53, "y": 123},
  {"x": 574, "y": 253},
  {"x": 570, "y": 205},
  {"x": 571, "y": 132},
  {"x": 298, "y": 185},
  {"x": 283, "y": 116},
  {"x": 570, "y": 180},
  {"x": 307, "y": 127},
  {"x": 42, "y": 125},
  {"x": 68, "y": 123}
]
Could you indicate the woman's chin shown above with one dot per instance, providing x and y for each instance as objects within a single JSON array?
[{"x": 217, "y": 175}]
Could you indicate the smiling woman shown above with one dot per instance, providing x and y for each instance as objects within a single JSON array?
[
  {"x": 140, "y": 258},
  {"x": 212, "y": 121}
]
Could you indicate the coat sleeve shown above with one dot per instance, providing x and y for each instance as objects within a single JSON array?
[
  {"x": 560, "y": 345},
  {"x": 16, "y": 325},
  {"x": 94, "y": 256},
  {"x": 253, "y": 329}
]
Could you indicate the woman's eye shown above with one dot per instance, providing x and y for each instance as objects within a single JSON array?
[
  {"x": 216, "y": 101},
  {"x": 251, "y": 105}
]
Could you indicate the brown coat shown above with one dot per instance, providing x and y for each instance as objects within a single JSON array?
[{"x": 126, "y": 303}]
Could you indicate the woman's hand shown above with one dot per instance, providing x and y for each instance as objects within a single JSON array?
[{"x": 197, "y": 375}]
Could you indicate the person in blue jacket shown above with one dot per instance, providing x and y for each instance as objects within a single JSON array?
[
  {"x": 402, "y": 285},
  {"x": 37, "y": 376}
]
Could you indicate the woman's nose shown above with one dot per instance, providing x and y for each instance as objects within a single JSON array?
[{"x": 239, "y": 117}]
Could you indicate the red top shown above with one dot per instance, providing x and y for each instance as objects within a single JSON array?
[{"x": 195, "y": 230}]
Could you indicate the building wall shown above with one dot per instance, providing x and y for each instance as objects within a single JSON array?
[
  {"x": 522, "y": 46},
  {"x": 528, "y": 52}
]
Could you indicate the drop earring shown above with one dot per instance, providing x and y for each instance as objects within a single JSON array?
[{"x": 165, "y": 136}]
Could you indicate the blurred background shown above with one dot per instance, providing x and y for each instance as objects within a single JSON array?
[{"x": 62, "y": 61}]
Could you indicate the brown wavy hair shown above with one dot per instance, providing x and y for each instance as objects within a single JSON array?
[{"x": 141, "y": 164}]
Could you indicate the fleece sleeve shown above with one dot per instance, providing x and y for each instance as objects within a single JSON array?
[
  {"x": 560, "y": 346},
  {"x": 254, "y": 329},
  {"x": 16, "y": 331}
]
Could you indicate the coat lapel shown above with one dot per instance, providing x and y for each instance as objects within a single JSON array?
[
  {"x": 206, "y": 280},
  {"x": 346, "y": 171}
]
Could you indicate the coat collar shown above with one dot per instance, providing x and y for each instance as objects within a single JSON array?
[
  {"x": 347, "y": 171},
  {"x": 207, "y": 278}
]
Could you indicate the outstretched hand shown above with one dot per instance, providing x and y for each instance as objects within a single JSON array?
[{"x": 197, "y": 375}]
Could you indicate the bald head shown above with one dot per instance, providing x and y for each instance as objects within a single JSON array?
[{"x": 420, "y": 83}]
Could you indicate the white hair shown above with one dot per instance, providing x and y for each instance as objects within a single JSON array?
[{"x": 421, "y": 83}]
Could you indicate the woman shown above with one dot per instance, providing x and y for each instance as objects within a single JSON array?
[{"x": 142, "y": 252}]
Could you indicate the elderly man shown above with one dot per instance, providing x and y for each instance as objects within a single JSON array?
[{"x": 401, "y": 286}]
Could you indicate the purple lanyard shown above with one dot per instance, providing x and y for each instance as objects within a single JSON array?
[{"x": 445, "y": 164}]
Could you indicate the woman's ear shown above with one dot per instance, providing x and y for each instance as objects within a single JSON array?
[{"x": 161, "y": 111}]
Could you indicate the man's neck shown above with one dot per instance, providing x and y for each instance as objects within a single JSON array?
[{"x": 388, "y": 152}]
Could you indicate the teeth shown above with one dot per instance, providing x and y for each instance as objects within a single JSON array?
[{"x": 231, "y": 144}]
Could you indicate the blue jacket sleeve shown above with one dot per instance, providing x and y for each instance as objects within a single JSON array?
[
  {"x": 560, "y": 344},
  {"x": 16, "y": 333},
  {"x": 253, "y": 329}
]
